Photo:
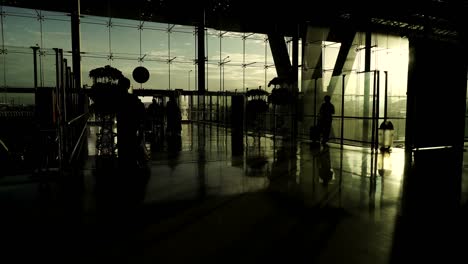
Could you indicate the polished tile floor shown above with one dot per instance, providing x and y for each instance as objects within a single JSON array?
[{"x": 195, "y": 201}]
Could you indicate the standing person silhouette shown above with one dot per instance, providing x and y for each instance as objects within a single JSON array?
[
  {"x": 154, "y": 110},
  {"x": 155, "y": 113},
  {"x": 174, "y": 127},
  {"x": 327, "y": 110},
  {"x": 130, "y": 121},
  {"x": 173, "y": 117}
]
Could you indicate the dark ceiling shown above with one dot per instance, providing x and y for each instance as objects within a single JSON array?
[{"x": 438, "y": 18}]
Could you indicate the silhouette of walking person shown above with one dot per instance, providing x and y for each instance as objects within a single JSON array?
[
  {"x": 155, "y": 113},
  {"x": 327, "y": 110},
  {"x": 130, "y": 124},
  {"x": 174, "y": 126},
  {"x": 174, "y": 117}
]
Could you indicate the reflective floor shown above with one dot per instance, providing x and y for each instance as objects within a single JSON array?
[{"x": 195, "y": 201}]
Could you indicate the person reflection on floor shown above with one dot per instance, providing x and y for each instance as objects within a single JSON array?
[
  {"x": 174, "y": 146},
  {"x": 282, "y": 178},
  {"x": 325, "y": 170},
  {"x": 120, "y": 196}
]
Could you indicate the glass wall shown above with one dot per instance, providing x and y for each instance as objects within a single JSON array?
[
  {"x": 22, "y": 29},
  {"x": 235, "y": 61},
  {"x": 289, "y": 44},
  {"x": 387, "y": 78},
  {"x": 466, "y": 114}
]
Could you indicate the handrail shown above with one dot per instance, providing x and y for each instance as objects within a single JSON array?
[
  {"x": 77, "y": 118},
  {"x": 78, "y": 142},
  {"x": 4, "y": 145}
]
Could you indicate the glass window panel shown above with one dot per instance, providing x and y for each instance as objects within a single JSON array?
[
  {"x": 19, "y": 68},
  {"x": 330, "y": 54},
  {"x": 212, "y": 46},
  {"x": 47, "y": 69},
  {"x": 232, "y": 46},
  {"x": 194, "y": 107},
  {"x": 352, "y": 85},
  {"x": 353, "y": 130},
  {"x": 183, "y": 46},
  {"x": 125, "y": 37},
  {"x": 124, "y": 56},
  {"x": 209, "y": 110},
  {"x": 56, "y": 30},
  {"x": 269, "y": 55},
  {"x": 336, "y": 94},
  {"x": 352, "y": 105},
  {"x": 192, "y": 84},
  {"x": 255, "y": 49},
  {"x": 159, "y": 77},
  {"x": 94, "y": 34},
  {"x": 10, "y": 10},
  {"x": 180, "y": 74},
  {"x": 308, "y": 112},
  {"x": 21, "y": 31},
  {"x": 396, "y": 112},
  {"x": 317, "y": 91},
  {"x": 335, "y": 132},
  {"x": 359, "y": 45},
  {"x": 155, "y": 26},
  {"x": 254, "y": 77},
  {"x": 311, "y": 65},
  {"x": 154, "y": 44},
  {"x": 299, "y": 78},
  {"x": 129, "y": 23},
  {"x": 223, "y": 75},
  {"x": 213, "y": 79},
  {"x": 398, "y": 75},
  {"x": 359, "y": 104},
  {"x": 183, "y": 29},
  {"x": 326, "y": 78},
  {"x": 233, "y": 75},
  {"x": 399, "y": 129},
  {"x": 3, "y": 66}
]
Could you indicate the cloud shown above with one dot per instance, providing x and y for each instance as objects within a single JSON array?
[{"x": 158, "y": 53}]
